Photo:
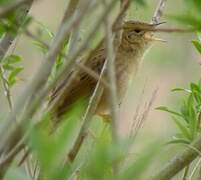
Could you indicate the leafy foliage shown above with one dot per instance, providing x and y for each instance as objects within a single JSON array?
[
  {"x": 187, "y": 119},
  {"x": 12, "y": 67},
  {"x": 197, "y": 43}
]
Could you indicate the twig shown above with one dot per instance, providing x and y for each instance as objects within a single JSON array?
[
  {"x": 5, "y": 11},
  {"x": 94, "y": 100},
  {"x": 186, "y": 170},
  {"x": 180, "y": 161},
  {"x": 194, "y": 169},
  {"x": 112, "y": 91},
  {"x": 90, "y": 110},
  {"x": 44, "y": 72},
  {"x": 67, "y": 66},
  {"x": 6, "y": 88},
  {"x": 111, "y": 74},
  {"x": 159, "y": 12},
  {"x": 9, "y": 37},
  {"x": 82, "y": 133},
  {"x": 39, "y": 79},
  {"x": 69, "y": 13},
  {"x": 81, "y": 65}
]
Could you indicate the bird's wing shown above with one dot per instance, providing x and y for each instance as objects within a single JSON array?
[{"x": 82, "y": 85}]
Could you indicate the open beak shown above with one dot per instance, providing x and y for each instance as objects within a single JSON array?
[
  {"x": 150, "y": 37},
  {"x": 156, "y": 39}
]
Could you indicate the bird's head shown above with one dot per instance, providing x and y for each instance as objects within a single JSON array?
[{"x": 138, "y": 33}]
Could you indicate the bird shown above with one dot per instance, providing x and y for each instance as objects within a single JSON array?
[{"x": 135, "y": 40}]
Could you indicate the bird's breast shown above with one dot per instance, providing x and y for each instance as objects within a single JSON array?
[{"x": 127, "y": 65}]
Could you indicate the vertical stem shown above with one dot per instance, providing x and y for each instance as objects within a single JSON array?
[
  {"x": 186, "y": 170},
  {"x": 6, "y": 88},
  {"x": 111, "y": 77}
]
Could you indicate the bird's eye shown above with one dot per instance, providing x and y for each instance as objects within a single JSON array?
[{"x": 137, "y": 30}]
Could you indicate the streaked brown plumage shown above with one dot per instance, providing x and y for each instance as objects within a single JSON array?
[{"x": 129, "y": 55}]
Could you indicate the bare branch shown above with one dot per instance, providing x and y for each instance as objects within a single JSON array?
[
  {"x": 180, "y": 161},
  {"x": 93, "y": 103},
  {"x": 40, "y": 96},
  {"x": 158, "y": 12},
  {"x": 6, "y": 88},
  {"x": 39, "y": 79},
  {"x": 9, "y": 37},
  {"x": 112, "y": 91}
]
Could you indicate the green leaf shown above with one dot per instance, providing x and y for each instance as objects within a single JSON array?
[
  {"x": 199, "y": 35},
  {"x": 41, "y": 47},
  {"x": 12, "y": 76},
  {"x": 195, "y": 87},
  {"x": 8, "y": 67},
  {"x": 13, "y": 59},
  {"x": 197, "y": 45},
  {"x": 182, "y": 128},
  {"x": 178, "y": 141},
  {"x": 181, "y": 89},
  {"x": 192, "y": 117},
  {"x": 163, "y": 108},
  {"x": 51, "y": 149}
]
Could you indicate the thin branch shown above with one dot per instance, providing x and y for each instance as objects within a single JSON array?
[
  {"x": 112, "y": 91},
  {"x": 186, "y": 171},
  {"x": 111, "y": 74},
  {"x": 158, "y": 12},
  {"x": 180, "y": 161},
  {"x": 93, "y": 103},
  {"x": 9, "y": 37},
  {"x": 81, "y": 65},
  {"x": 69, "y": 13},
  {"x": 39, "y": 79},
  {"x": 5, "y": 11},
  {"x": 67, "y": 66},
  {"x": 6, "y": 88},
  {"x": 197, "y": 165}
]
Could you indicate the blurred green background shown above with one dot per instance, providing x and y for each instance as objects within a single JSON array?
[{"x": 166, "y": 66}]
